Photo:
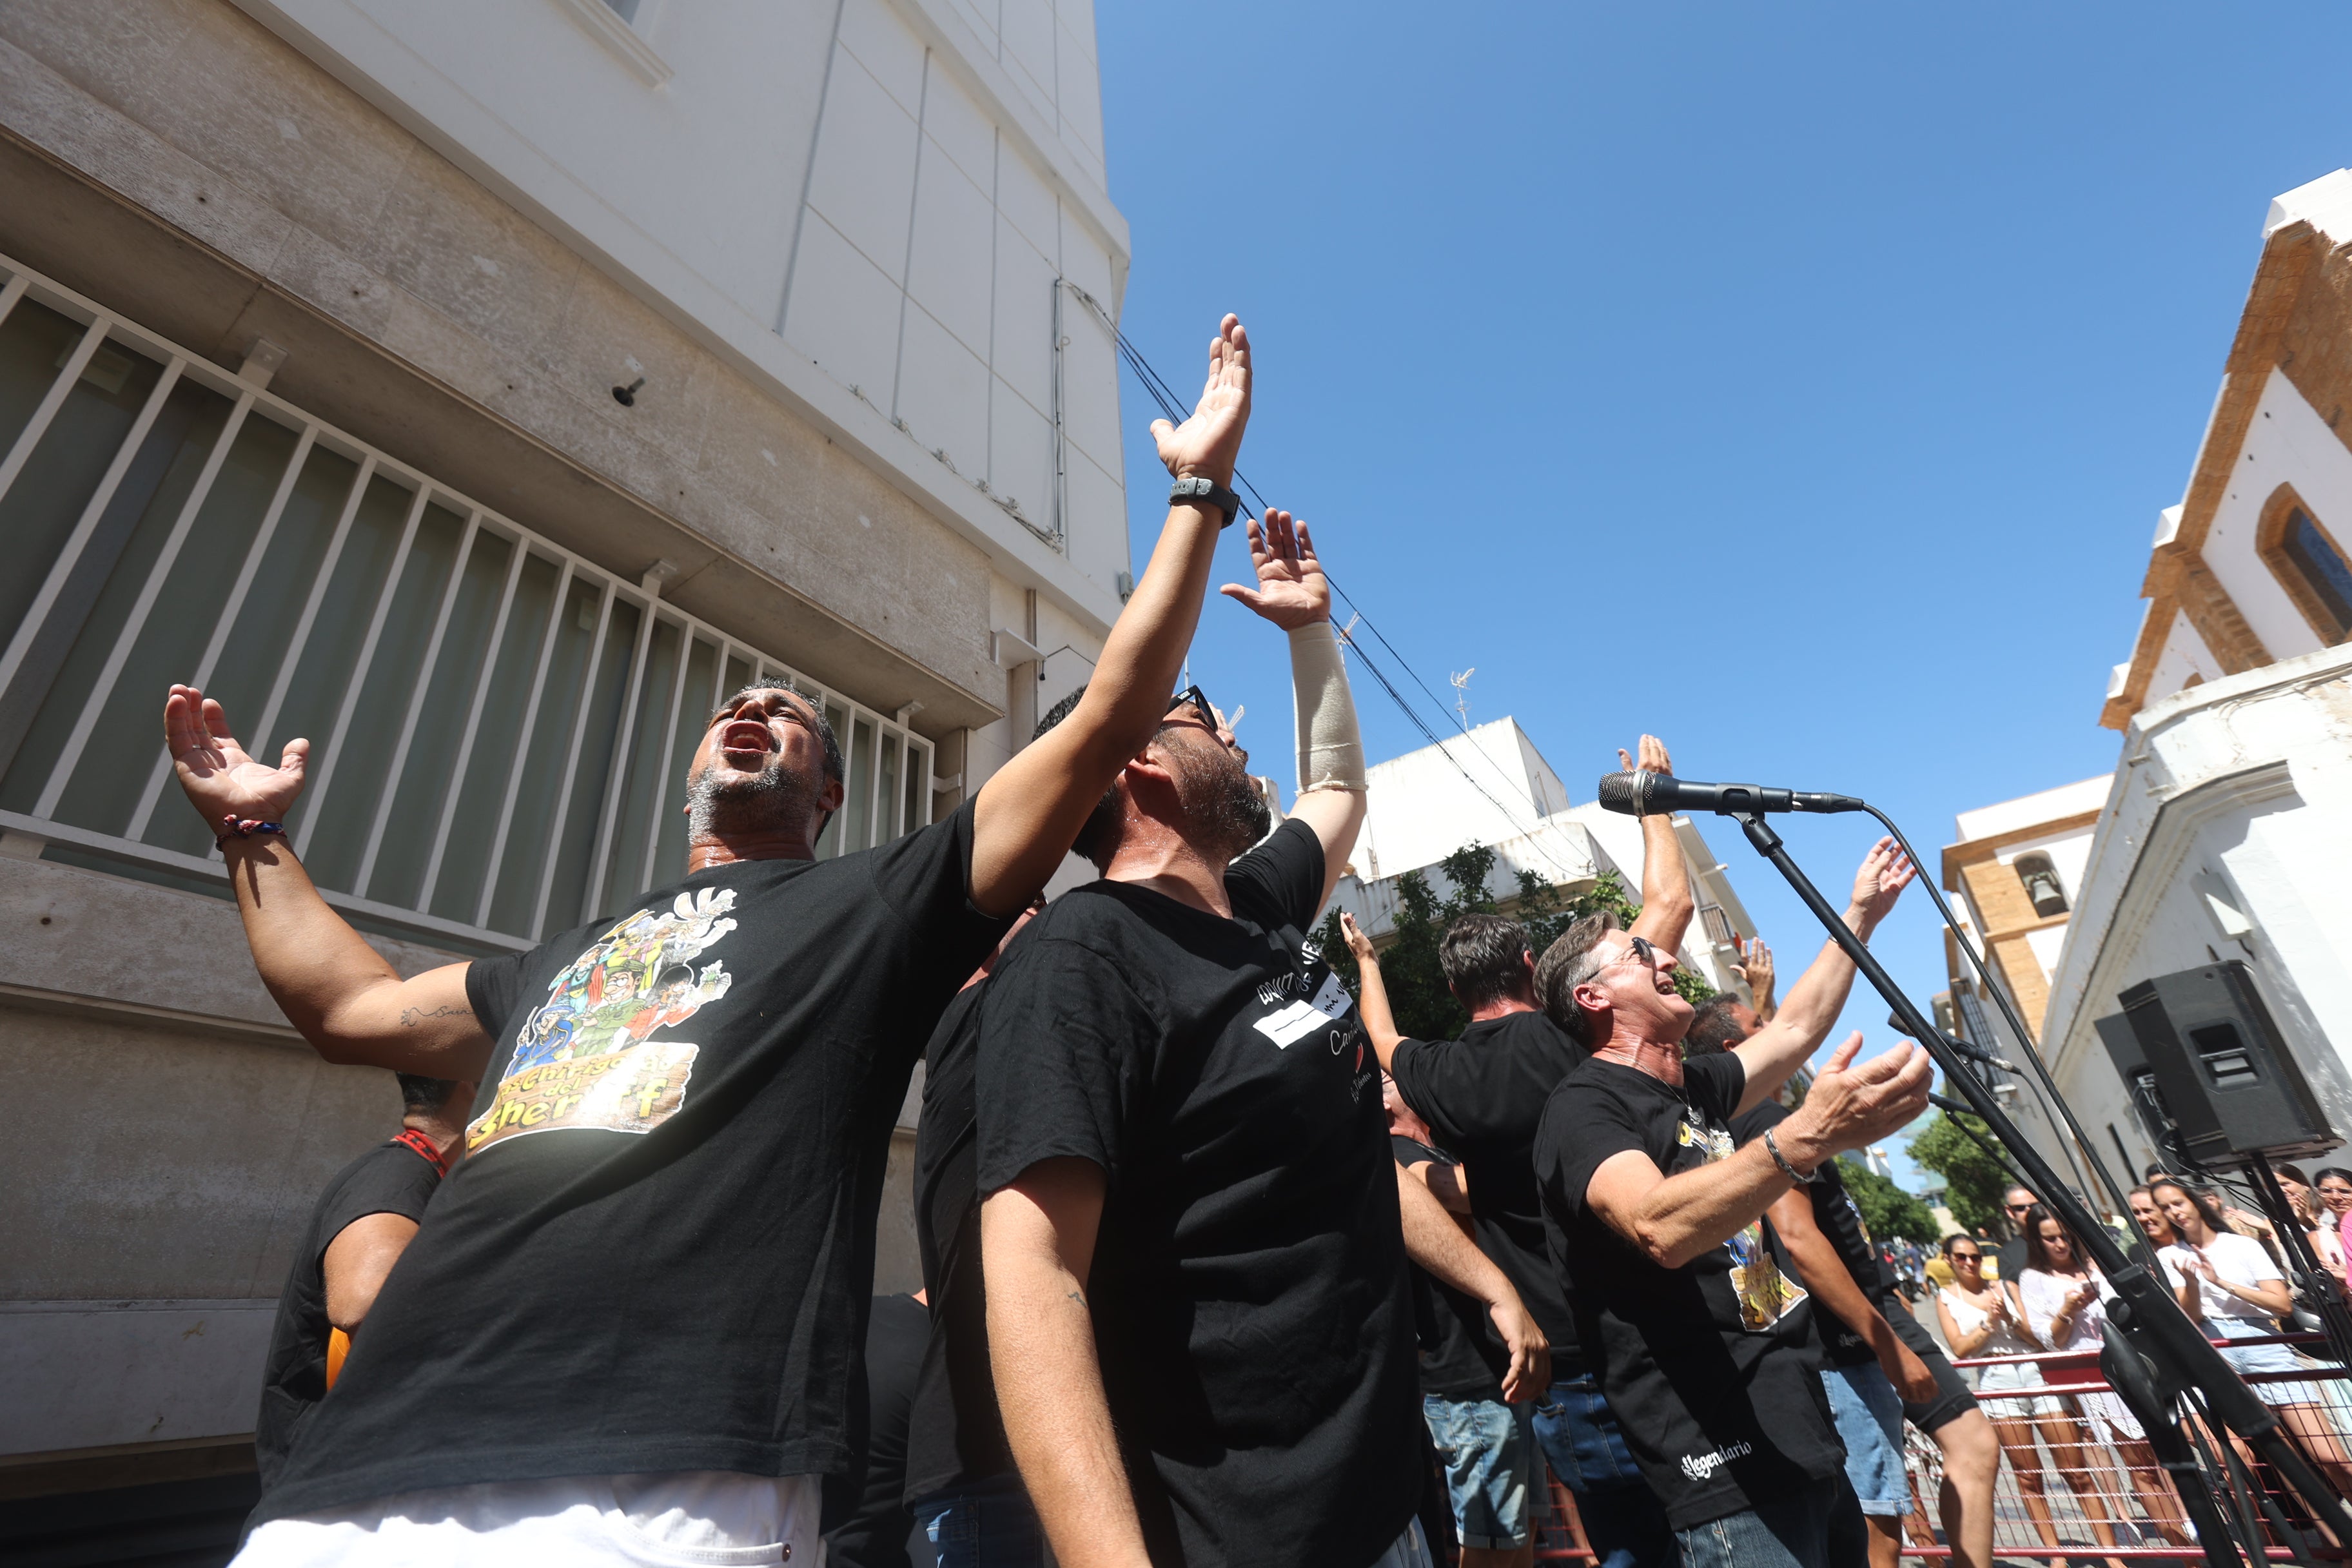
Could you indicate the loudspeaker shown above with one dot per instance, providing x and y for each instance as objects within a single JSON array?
[
  {"x": 2147, "y": 1099},
  {"x": 2225, "y": 1073}
]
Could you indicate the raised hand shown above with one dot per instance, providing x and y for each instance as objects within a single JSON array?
[
  {"x": 1291, "y": 591},
  {"x": 1850, "y": 1107},
  {"x": 1755, "y": 965},
  {"x": 1654, "y": 759},
  {"x": 1357, "y": 942},
  {"x": 1207, "y": 444},
  {"x": 1885, "y": 872},
  {"x": 220, "y": 779}
]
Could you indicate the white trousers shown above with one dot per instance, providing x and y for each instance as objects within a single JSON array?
[{"x": 705, "y": 1519}]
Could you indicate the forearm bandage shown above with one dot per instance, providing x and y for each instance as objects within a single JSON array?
[{"x": 1330, "y": 747}]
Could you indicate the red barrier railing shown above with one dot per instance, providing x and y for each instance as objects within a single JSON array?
[{"x": 2077, "y": 1480}]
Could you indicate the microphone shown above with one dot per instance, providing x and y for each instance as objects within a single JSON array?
[
  {"x": 1649, "y": 794},
  {"x": 1968, "y": 1048}
]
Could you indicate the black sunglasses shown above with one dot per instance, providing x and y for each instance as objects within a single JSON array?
[{"x": 1199, "y": 700}]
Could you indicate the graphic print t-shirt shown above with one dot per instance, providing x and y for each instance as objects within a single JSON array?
[
  {"x": 1483, "y": 1095},
  {"x": 657, "y": 1251},
  {"x": 1841, "y": 1221},
  {"x": 1249, "y": 1294},
  {"x": 391, "y": 1178},
  {"x": 1449, "y": 1325},
  {"x": 1711, "y": 1367}
]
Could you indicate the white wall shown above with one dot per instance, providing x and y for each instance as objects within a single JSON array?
[
  {"x": 2288, "y": 443},
  {"x": 2184, "y": 655},
  {"x": 889, "y": 185},
  {"x": 1421, "y": 808}
]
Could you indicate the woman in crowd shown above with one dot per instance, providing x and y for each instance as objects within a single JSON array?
[
  {"x": 2228, "y": 1283},
  {"x": 1979, "y": 1322},
  {"x": 2335, "y": 1184},
  {"x": 2319, "y": 1226},
  {"x": 2065, "y": 1309}
]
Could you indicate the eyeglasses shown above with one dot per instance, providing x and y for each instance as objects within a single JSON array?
[
  {"x": 1967, "y": 1257},
  {"x": 1637, "y": 947},
  {"x": 2017, "y": 1208},
  {"x": 1198, "y": 701}
]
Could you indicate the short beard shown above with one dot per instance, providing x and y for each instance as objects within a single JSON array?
[
  {"x": 1225, "y": 814},
  {"x": 772, "y": 800}
]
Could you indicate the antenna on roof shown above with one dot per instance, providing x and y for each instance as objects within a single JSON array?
[{"x": 1461, "y": 696}]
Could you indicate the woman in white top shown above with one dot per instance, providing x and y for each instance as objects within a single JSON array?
[
  {"x": 2065, "y": 1308},
  {"x": 2228, "y": 1283},
  {"x": 2318, "y": 1225},
  {"x": 1978, "y": 1320}
]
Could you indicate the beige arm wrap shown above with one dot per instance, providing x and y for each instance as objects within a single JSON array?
[{"x": 1330, "y": 747}]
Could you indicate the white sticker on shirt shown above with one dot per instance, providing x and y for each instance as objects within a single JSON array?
[{"x": 1300, "y": 1018}]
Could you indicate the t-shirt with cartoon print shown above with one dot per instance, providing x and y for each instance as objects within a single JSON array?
[
  {"x": 1251, "y": 1309},
  {"x": 657, "y": 1253},
  {"x": 1711, "y": 1368}
]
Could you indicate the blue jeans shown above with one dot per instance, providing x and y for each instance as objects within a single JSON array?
[
  {"x": 986, "y": 1524},
  {"x": 1815, "y": 1526},
  {"x": 1489, "y": 1461},
  {"x": 1869, "y": 1416},
  {"x": 1623, "y": 1517}
]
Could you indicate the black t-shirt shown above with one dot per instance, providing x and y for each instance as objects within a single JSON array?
[
  {"x": 881, "y": 1533},
  {"x": 1841, "y": 1222},
  {"x": 1251, "y": 1306},
  {"x": 2011, "y": 1256},
  {"x": 1483, "y": 1095},
  {"x": 658, "y": 1252},
  {"x": 391, "y": 1178},
  {"x": 958, "y": 1437},
  {"x": 1449, "y": 1325},
  {"x": 1710, "y": 1368}
]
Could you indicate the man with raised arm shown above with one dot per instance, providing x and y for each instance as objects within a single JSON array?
[
  {"x": 631, "y": 1322},
  {"x": 1705, "y": 1346},
  {"x": 1483, "y": 1095},
  {"x": 1198, "y": 1310}
]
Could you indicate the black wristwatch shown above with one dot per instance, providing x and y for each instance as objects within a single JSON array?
[{"x": 1186, "y": 493}]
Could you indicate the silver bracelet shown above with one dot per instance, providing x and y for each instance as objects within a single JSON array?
[{"x": 1772, "y": 1147}]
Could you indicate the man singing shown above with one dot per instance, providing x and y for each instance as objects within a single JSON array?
[
  {"x": 1705, "y": 1347},
  {"x": 631, "y": 1322},
  {"x": 1198, "y": 1309}
]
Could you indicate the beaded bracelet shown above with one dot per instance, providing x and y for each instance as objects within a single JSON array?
[{"x": 232, "y": 827}]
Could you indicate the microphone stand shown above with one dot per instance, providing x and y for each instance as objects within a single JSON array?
[{"x": 2172, "y": 1351}]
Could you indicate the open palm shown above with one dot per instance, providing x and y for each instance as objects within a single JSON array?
[
  {"x": 1210, "y": 441},
  {"x": 220, "y": 779},
  {"x": 1291, "y": 591}
]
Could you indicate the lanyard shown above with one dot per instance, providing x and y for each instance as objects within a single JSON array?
[{"x": 424, "y": 1148}]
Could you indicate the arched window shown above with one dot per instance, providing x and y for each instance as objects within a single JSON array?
[
  {"x": 2041, "y": 884},
  {"x": 2308, "y": 562}
]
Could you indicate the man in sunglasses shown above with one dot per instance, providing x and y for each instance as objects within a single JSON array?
[
  {"x": 630, "y": 1327},
  {"x": 1705, "y": 1347},
  {"x": 1199, "y": 1314},
  {"x": 2015, "y": 1205}
]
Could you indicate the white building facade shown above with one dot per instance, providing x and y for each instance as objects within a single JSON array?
[
  {"x": 480, "y": 389},
  {"x": 2221, "y": 836}
]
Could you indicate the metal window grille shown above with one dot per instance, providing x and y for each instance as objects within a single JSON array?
[
  {"x": 1717, "y": 925},
  {"x": 499, "y": 728}
]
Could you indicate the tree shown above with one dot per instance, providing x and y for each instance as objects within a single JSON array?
[
  {"x": 1425, "y": 1008},
  {"x": 1973, "y": 1178},
  {"x": 1888, "y": 1212}
]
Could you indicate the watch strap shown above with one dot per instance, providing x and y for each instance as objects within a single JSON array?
[{"x": 1196, "y": 489}]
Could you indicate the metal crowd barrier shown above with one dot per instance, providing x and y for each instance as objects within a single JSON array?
[{"x": 2090, "y": 1482}]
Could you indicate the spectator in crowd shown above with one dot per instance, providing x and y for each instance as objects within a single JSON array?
[
  {"x": 1656, "y": 1220},
  {"x": 1199, "y": 1315},
  {"x": 359, "y": 1227},
  {"x": 2015, "y": 1205},
  {"x": 1484, "y": 1094},
  {"x": 2229, "y": 1284},
  {"x": 1484, "y": 1443},
  {"x": 962, "y": 1488},
  {"x": 2319, "y": 1228},
  {"x": 2334, "y": 1184},
  {"x": 2065, "y": 1309},
  {"x": 687, "y": 1213},
  {"x": 1881, "y": 1367},
  {"x": 2149, "y": 1218},
  {"x": 1979, "y": 1318},
  {"x": 879, "y": 1532}
]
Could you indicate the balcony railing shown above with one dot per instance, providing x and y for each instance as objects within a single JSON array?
[{"x": 500, "y": 728}]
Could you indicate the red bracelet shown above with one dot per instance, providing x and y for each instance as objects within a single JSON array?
[{"x": 233, "y": 827}]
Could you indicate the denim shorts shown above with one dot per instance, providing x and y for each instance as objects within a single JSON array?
[
  {"x": 1869, "y": 1416},
  {"x": 1488, "y": 1450}
]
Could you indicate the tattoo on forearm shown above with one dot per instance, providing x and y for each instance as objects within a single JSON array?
[
  {"x": 412, "y": 1017},
  {"x": 1077, "y": 1296}
]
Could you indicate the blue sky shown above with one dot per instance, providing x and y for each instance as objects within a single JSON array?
[{"x": 1801, "y": 384}]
